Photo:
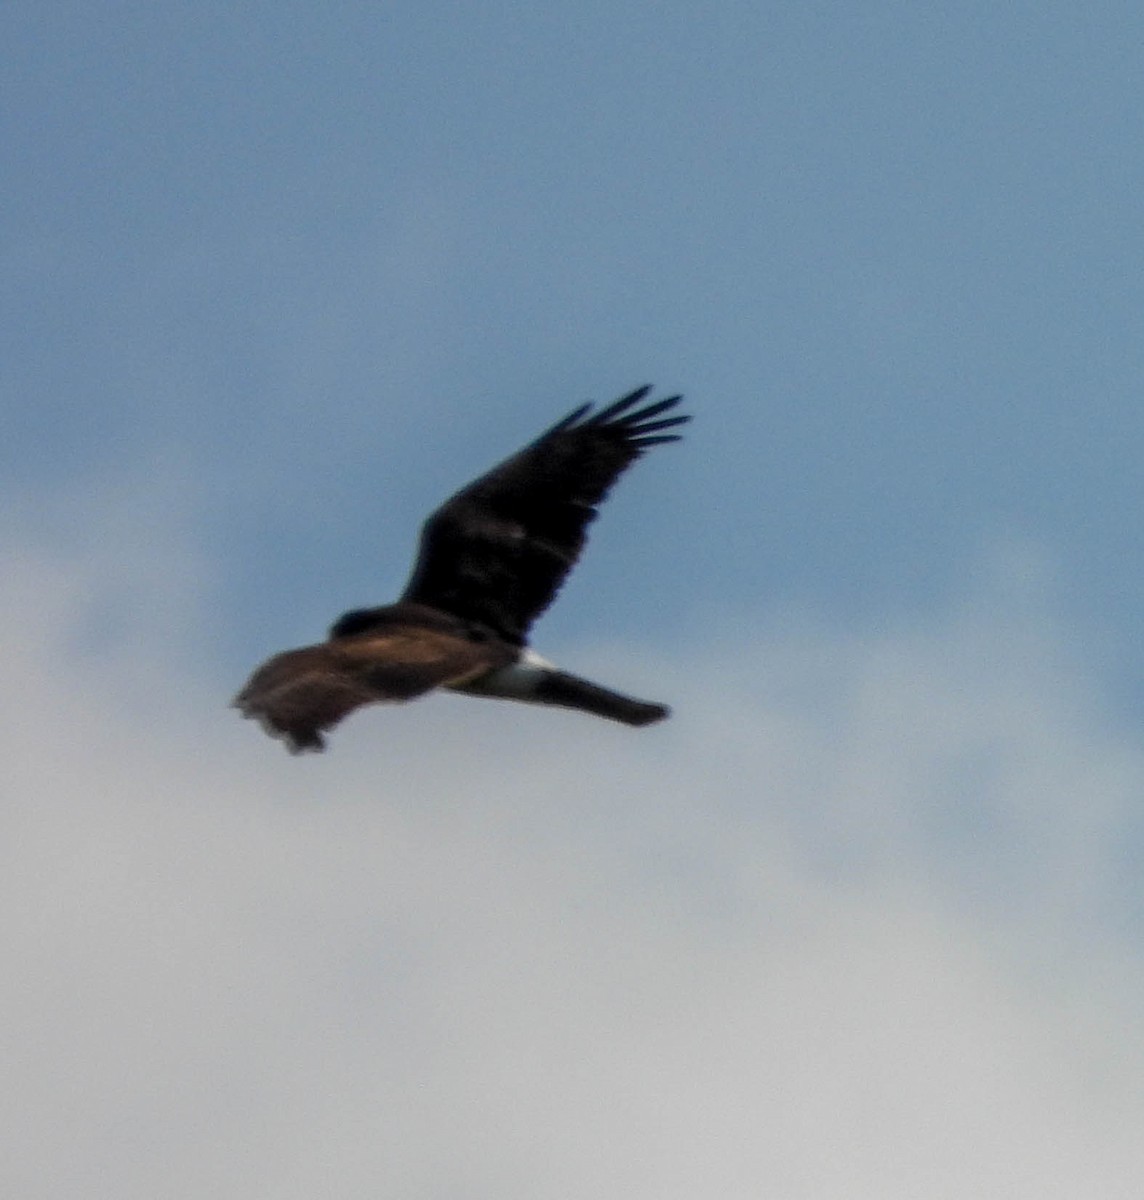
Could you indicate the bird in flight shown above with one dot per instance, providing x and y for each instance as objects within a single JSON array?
[{"x": 491, "y": 560}]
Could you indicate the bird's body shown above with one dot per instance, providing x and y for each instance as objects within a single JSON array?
[{"x": 491, "y": 560}]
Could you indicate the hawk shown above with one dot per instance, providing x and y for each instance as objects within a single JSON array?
[{"x": 491, "y": 560}]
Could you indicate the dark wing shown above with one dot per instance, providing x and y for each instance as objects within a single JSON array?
[
  {"x": 301, "y": 694},
  {"x": 498, "y": 551}
]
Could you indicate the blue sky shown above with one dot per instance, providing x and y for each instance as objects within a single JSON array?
[
  {"x": 278, "y": 278},
  {"x": 888, "y": 252}
]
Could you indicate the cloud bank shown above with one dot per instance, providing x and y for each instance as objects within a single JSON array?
[{"x": 859, "y": 922}]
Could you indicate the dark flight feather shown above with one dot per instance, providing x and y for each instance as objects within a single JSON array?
[{"x": 497, "y": 552}]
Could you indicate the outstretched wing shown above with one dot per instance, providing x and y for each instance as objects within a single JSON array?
[
  {"x": 301, "y": 694},
  {"x": 498, "y": 551}
]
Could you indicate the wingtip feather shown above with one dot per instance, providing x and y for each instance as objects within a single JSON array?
[
  {"x": 607, "y": 415},
  {"x": 566, "y": 422},
  {"x": 667, "y": 423},
  {"x": 619, "y": 414},
  {"x": 662, "y": 440}
]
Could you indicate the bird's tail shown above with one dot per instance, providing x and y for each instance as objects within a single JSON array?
[{"x": 570, "y": 691}]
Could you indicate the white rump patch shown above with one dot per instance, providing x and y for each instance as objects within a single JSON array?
[
  {"x": 531, "y": 659},
  {"x": 515, "y": 682}
]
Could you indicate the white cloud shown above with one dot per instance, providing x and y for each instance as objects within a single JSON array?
[{"x": 850, "y": 926}]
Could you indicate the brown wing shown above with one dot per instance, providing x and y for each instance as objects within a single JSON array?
[
  {"x": 498, "y": 551},
  {"x": 301, "y": 694}
]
